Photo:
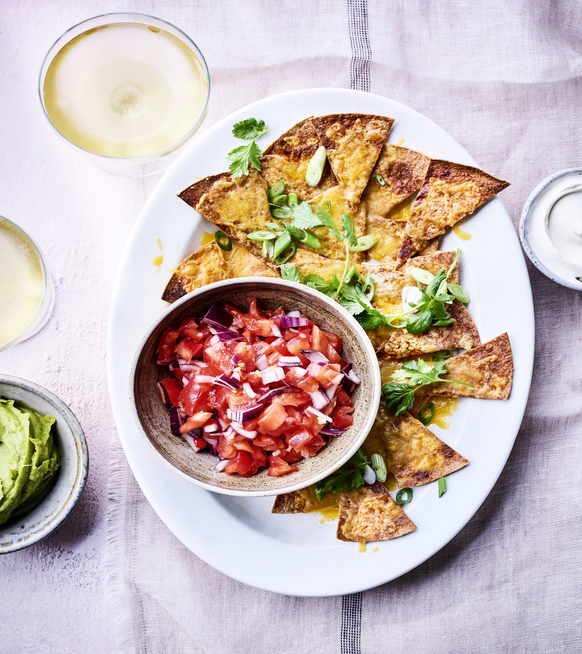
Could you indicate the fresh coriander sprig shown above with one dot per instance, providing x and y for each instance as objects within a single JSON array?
[
  {"x": 414, "y": 374},
  {"x": 349, "y": 477},
  {"x": 249, "y": 130}
]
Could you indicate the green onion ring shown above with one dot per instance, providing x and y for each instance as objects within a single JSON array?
[
  {"x": 400, "y": 499},
  {"x": 422, "y": 414}
]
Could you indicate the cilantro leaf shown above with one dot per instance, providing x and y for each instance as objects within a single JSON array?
[
  {"x": 249, "y": 128},
  {"x": 399, "y": 397},
  {"x": 349, "y": 477},
  {"x": 349, "y": 300},
  {"x": 290, "y": 273},
  {"x": 319, "y": 284},
  {"x": 242, "y": 156},
  {"x": 348, "y": 229},
  {"x": 326, "y": 219},
  {"x": 304, "y": 217}
]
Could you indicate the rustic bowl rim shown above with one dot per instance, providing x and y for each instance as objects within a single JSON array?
[
  {"x": 366, "y": 344},
  {"x": 75, "y": 436}
]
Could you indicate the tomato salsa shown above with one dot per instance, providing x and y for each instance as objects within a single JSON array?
[{"x": 263, "y": 389}]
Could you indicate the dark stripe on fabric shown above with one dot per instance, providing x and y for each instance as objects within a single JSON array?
[
  {"x": 360, "y": 45},
  {"x": 351, "y": 624}
]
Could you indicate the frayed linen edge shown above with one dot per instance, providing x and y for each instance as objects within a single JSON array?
[{"x": 118, "y": 596}]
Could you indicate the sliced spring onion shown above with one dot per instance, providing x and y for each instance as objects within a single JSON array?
[
  {"x": 381, "y": 180},
  {"x": 280, "y": 212},
  {"x": 267, "y": 249},
  {"x": 280, "y": 200},
  {"x": 277, "y": 189},
  {"x": 369, "y": 475},
  {"x": 315, "y": 167},
  {"x": 403, "y": 496},
  {"x": 420, "y": 275},
  {"x": 286, "y": 254},
  {"x": 293, "y": 199},
  {"x": 379, "y": 467},
  {"x": 442, "y": 486},
  {"x": 351, "y": 272},
  {"x": 426, "y": 414},
  {"x": 281, "y": 244},
  {"x": 459, "y": 293},
  {"x": 262, "y": 235},
  {"x": 371, "y": 285},
  {"x": 326, "y": 206},
  {"x": 364, "y": 243},
  {"x": 223, "y": 241}
]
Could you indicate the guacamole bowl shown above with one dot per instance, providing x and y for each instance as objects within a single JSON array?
[{"x": 36, "y": 518}]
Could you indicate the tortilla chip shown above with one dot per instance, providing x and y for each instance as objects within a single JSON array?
[
  {"x": 449, "y": 192},
  {"x": 369, "y": 514},
  {"x": 489, "y": 368},
  {"x": 303, "y": 501},
  {"x": 330, "y": 246},
  {"x": 310, "y": 263},
  {"x": 390, "y": 234},
  {"x": 353, "y": 143},
  {"x": 210, "y": 264},
  {"x": 415, "y": 455},
  {"x": 403, "y": 172},
  {"x": 238, "y": 205},
  {"x": 287, "y": 159},
  {"x": 399, "y": 343}
]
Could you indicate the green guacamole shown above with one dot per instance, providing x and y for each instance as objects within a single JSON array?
[{"x": 28, "y": 456}]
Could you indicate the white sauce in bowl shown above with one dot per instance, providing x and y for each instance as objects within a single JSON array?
[{"x": 551, "y": 227}]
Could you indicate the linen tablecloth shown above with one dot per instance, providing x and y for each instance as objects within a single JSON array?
[{"x": 504, "y": 79}]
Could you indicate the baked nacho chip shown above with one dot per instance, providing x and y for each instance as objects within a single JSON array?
[
  {"x": 353, "y": 143},
  {"x": 304, "y": 501},
  {"x": 449, "y": 192},
  {"x": 287, "y": 159},
  {"x": 238, "y": 205},
  {"x": 415, "y": 455},
  {"x": 210, "y": 264},
  {"x": 399, "y": 343},
  {"x": 488, "y": 368},
  {"x": 398, "y": 173},
  {"x": 310, "y": 263},
  {"x": 369, "y": 514}
]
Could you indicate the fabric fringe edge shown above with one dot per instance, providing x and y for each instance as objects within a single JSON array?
[{"x": 117, "y": 594}]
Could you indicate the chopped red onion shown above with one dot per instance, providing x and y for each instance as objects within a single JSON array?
[
  {"x": 350, "y": 374},
  {"x": 289, "y": 362},
  {"x": 193, "y": 366},
  {"x": 319, "y": 399},
  {"x": 222, "y": 423},
  {"x": 248, "y": 390},
  {"x": 163, "y": 393},
  {"x": 330, "y": 392},
  {"x": 218, "y": 317},
  {"x": 267, "y": 397},
  {"x": 236, "y": 374},
  {"x": 209, "y": 427},
  {"x": 331, "y": 431},
  {"x": 190, "y": 440},
  {"x": 314, "y": 368},
  {"x": 315, "y": 357},
  {"x": 276, "y": 331},
  {"x": 301, "y": 372},
  {"x": 228, "y": 335},
  {"x": 235, "y": 359},
  {"x": 224, "y": 380},
  {"x": 290, "y": 322},
  {"x": 221, "y": 465},
  {"x": 317, "y": 413},
  {"x": 294, "y": 314},
  {"x": 212, "y": 445},
  {"x": 262, "y": 363},
  {"x": 272, "y": 375},
  {"x": 176, "y": 420},
  {"x": 348, "y": 385},
  {"x": 245, "y": 414},
  {"x": 204, "y": 379},
  {"x": 239, "y": 429}
]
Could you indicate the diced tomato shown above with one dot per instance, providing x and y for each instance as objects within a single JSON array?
[
  {"x": 292, "y": 399},
  {"x": 221, "y": 356},
  {"x": 299, "y": 438},
  {"x": 226, "y": 449},
  {"x": 195, "y": 421},
  {"x": 193, "y": 397},
  {"x": 200, "y": 443},
  {"x": 312, "y": 447},
  {"x": 291, "y": 457},
  {"x": 190, "y": 328},
  {"x": 238, "y": 400},
  {"x": 246, "y": 354},
  {"x": 173, "y": 389},
  {"x": 343, "y": 399},
  {"x": 262, "y": 327},
  {"x": 280, "y": 346},
  {"x": 243, "y": 444},
  {"x": 259, "y": 460},
  {"x": 278, "y": 467},
  {"x": 240, "y": 464},
  {"x": 320, "y": 342},
  {"x": 332, "y": 354},
  {"x": 289, "y": 334},
  {"x": 254, "y": 310},
  {"x": 325, "y": 375},
  {"x": 272, "y": 417},
  {"x": 187, "y": 349},
  {"x": 269, "y": 443},
  {"x": 262, "y": 347},
  {"x": 341, "y": 417},
  {"x": 301, "y": 342},
  {"x": 334, "y": 340},
  {"x": 166, "y": 346},
  {"x": 308, "y": 384}
]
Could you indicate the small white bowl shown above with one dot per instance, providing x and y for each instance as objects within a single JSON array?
[{"x": 30, "y": 524}]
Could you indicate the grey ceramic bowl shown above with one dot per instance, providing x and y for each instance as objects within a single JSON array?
[
  {"x": 198, "y": 467},
  {"x": 30, "y": 524}
]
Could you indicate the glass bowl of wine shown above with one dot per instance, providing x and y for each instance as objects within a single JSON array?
[{"x": 127, "y": 89}]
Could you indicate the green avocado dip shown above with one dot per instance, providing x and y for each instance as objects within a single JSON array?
[{"x": 28, "y": 456}]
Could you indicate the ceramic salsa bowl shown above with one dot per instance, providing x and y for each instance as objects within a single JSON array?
[{"x": 152, "y": 415}]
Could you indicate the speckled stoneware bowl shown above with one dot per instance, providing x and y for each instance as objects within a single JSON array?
[
  {"x": 198, "y": 467},
  {"x": 34, "y": 521}
]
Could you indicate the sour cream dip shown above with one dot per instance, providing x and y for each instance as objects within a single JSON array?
[{"x": 550, "y": 228}]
